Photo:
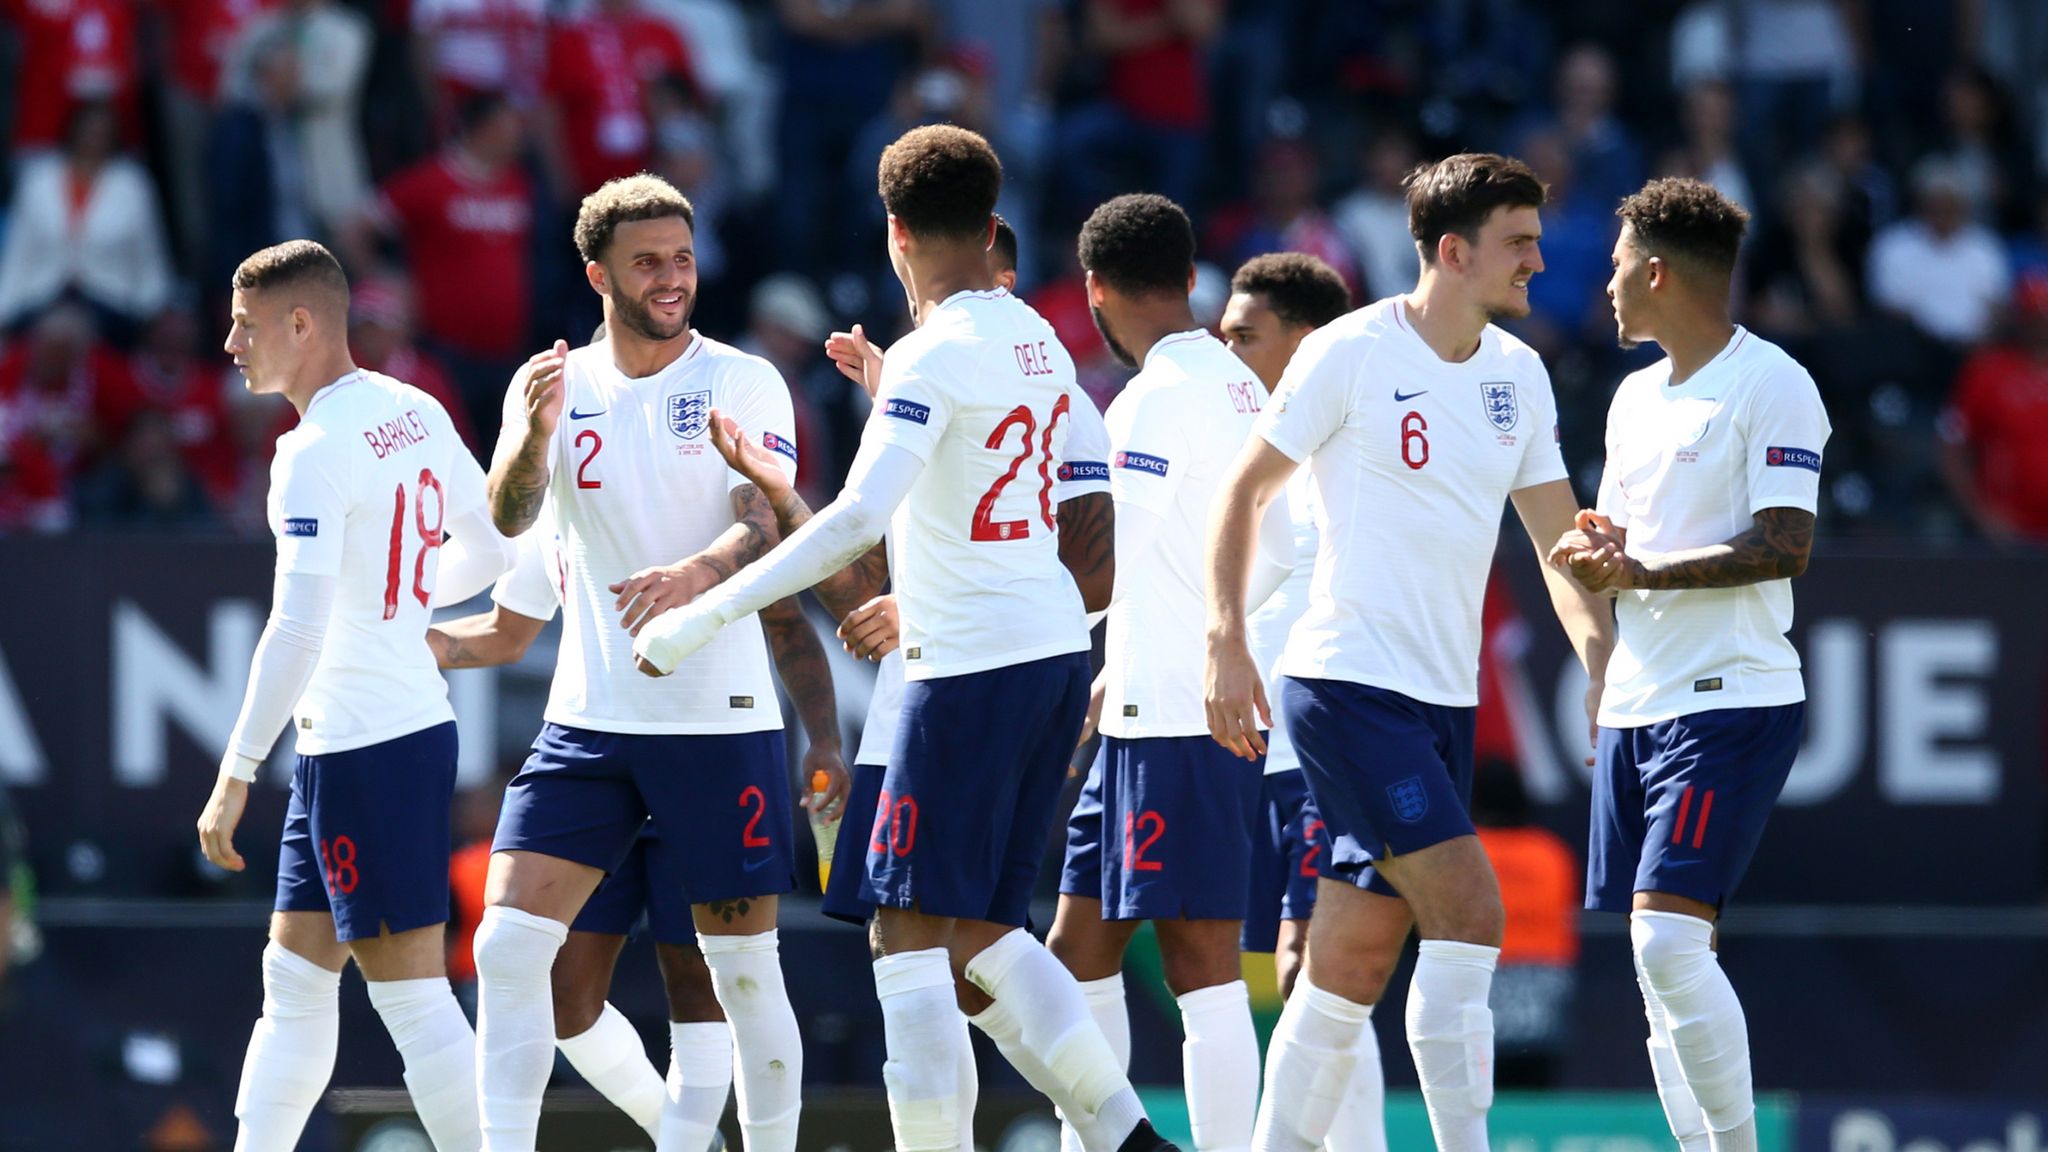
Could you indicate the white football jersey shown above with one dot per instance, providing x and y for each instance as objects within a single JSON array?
[
  {"x": 1413, "y": 458},
  {"x": 1267, "y": 627},
  {"x": 1689, "y": 466},
  {"x": 361, "y": 491},
  {"x": 983, "y": 393},
  {"x": 1174, "y": 432},
  {"x": 535, "y": 584},
  {"x": 1084, "y": 469},
  {"x": 635, "y": 484}
]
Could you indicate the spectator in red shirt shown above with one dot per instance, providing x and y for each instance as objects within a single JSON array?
[
  {"x": 599, "y": 69},
  {"x": 200, "y": 37},
  {"x": 1156, "y": 108},
  {"x": 466, "y": 47},
  {"x": 167, "y": 376},
  {"x": 380, "y": 339},
  {"x": 1996, "y": 422},
  {"x": 48, "y": 383},
  {"x": 465, "y": 219},
  {"x": 68, "y": 51}
]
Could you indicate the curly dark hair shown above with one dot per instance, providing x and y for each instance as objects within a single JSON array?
[
  {"x": 1300, "y": 289},
  {"x": 1139, "y": 243},
  {"x": 1690, "y": 219},
  {"x": 1457, "y": 194},
  {"x": 1003, "y": 256},
  {"x": 622, "y": 201},
  {"x": 941, "y": 181},
  {"x": 302, "y": 265}
]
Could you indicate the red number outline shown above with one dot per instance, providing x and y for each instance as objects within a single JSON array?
[
  {"x": 1415, "y": 433},
  {"x": 984, "y": 527},
  {"x": 339, "y": 856},
  {"x": 1059, "y": 409},
  {"x": 434, "y": 538},
  {"x": 748, "y": 837},
  {"x": 1134, "y": 853},
  {"x": 596, "y": 445},
  {"x": 875, "y": 841},
  {"x": 1308, "y": 862}
]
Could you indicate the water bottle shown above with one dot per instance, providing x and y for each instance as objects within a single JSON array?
[{"x": 825, "y": 831}]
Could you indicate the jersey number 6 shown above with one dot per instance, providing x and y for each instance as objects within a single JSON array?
[
  {"x": 985, "y": 526},
  {"x": 1414, "y": 445},
  {"x": 430, "y": 538}
]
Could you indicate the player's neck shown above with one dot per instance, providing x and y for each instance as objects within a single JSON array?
[
  {"x": 1693, "y": 342},
  {"x": 1149, "y": 322},
  {"x": 637, "y": 357},
  {"x": 1449, "y": 324},
  {"x": 317, "y": 375},
  {"x": 932, "y": 280}
]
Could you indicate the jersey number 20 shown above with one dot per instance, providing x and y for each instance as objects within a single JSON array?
[
  {"x": 985, "y": 526},
  {"x": 430, "y": 538}
]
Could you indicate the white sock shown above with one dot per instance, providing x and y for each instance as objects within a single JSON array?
[
  {"x": 515, "y": 1023},
  {"x": 1004, "y": 1030},
  {"x": 768, "y": 1065},
  {"x": 291, "y": 1051},
  {"x": 1057, "y": 1028},
  {"x": 1450, "y": 1035},
  {"x": 699, "y": 1080},
  {"x": 610, "y": 1056},
  {"x": 1709, "y": 1037},
  {"x": 924, "y": 1032},
  {"x": 1220, "y": 1064},
  {"x": 1105, "y": 999},
  {"x": 439, "y": 1049},
  {"x": 1688, "y": 1124},
  {"x": 1361, "y": 1121},
  {"x": 1308, "y": 1064}
]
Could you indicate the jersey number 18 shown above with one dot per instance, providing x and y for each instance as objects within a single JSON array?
[{"x": 430, "y": 538}]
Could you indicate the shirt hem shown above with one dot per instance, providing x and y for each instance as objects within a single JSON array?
[
  {"x": 939, "y": 671},
  {"x": 768, "y": 722},
  {"x": 325, "y": 747},
  {"x": 1607, "y": 719},
  {"x": 1413, "y": 692}
]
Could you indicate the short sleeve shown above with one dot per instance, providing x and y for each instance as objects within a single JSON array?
[
  {"x": 529, "y": 586},
  {"x": 1311, "y": 403},
  {"x": 915, "y": 402},
  {"x": 1085, "y": 466},
  {"x": 464, "y": 485},
  {"x": 1148, "y": 456},
  {"x": 1542, "y": 442},
  {"x": 762, "y": 408},
  {"x": 1784, "y": 432},
  {"x": 308, "y": 509}
]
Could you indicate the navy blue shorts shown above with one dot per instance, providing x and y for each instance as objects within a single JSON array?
[
  {"x": 1081, "y": 867},
  {"x": 971, "y": 789},
  {"x": 843, "y": 900},
  {"x": 1288, "y": 849},
  {"x": 641, "y": 894},
  {"x": 1173, "y": 839},
  {"x": 1390, "y": 774},
  {"x": 366, "y": 835},
  {"x": 1679, "y": 806},
  {"x": 721, "y": 802}
]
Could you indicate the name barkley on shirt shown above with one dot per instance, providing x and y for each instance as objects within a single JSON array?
[{"x": 396, "y": 435}]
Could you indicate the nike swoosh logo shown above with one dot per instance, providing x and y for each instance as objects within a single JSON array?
[
  {"x": 1402, "y": 397},
  {"x": 575, "y": 415}
]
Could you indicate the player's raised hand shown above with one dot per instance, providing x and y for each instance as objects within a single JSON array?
[
  {"x": 872, "y": 630},
  {"x": 651, "y": 591},
  {"x": 1235, "y": 697},
  {"x": 541, "y": 379},
  {"x": 747, "y": 458},
  {"x": 218, "y": 819},
  {"x": 856, "y": 357},
  {"x": 828, "y": 804},
  {"x": 670, "y": 638}
]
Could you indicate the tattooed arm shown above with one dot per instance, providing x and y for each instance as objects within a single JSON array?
[
  {"x": 518, "y": 480},
  {"x": 844, "y": 590},
  {"x": 1774, "y": 547},
  {"x": 800, "y": 662},
  {"x": 651, "y": 591},
  {"x": 1088, "y": 546},
  {"x": 485, "y": 640}
]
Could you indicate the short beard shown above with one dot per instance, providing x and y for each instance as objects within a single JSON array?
[
  {"x": 1122, "y": 354},
  {"x": 638, "y": 317}
]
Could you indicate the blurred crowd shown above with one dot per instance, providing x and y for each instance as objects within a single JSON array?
[{"x": 1893, "y": 153}]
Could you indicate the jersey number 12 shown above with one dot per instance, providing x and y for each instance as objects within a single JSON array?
[{"x": 430, "y": 538}]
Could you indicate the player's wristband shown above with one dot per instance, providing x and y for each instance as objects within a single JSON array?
[{"x": 240, "y": 767}]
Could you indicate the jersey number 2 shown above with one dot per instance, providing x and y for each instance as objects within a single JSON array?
[
  {"x": 430, "y": 538},
  {"x": 985, "y": 526}
]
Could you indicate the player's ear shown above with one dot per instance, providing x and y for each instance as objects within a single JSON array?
[
  {"x": 1660, "y": 272},
  {"x": 1097, "y": 291},
  {"x": 594, "y": 273},
  {"x": 1450, "y": 252},
  {"x": 899, "y": 236}
]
